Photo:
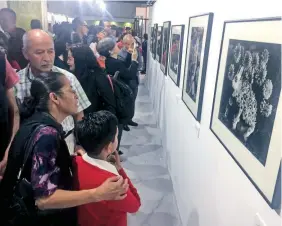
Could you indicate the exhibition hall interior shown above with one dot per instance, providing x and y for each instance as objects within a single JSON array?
[{"x": 199, "y": 120}]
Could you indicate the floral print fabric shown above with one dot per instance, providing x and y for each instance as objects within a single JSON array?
[{"x": 45, "y": 172}]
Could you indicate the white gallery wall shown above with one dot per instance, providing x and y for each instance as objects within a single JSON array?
[{"x": 211, "y": 189}]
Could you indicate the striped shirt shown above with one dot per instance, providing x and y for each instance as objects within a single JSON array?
[{"x": 22, "y": 89}]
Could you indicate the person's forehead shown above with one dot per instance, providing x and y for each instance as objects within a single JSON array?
[
  {"x": 41, "y": 41},
  {"x": 129, "y": 40}
]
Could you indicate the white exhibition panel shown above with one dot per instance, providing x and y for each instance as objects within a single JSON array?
[{"x": 210, "y": 188}]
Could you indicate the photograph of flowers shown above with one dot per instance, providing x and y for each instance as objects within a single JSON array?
[{"x": 247, "y": 104}]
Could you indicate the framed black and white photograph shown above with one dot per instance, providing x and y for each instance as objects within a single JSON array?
[
  {"x": 165, "y": 46},
  {"x": 151, "y": 39},
  {"x": 159, "y": 43},
  {"x": 247, "y": 108},
  {"x": 175, "y": 52},
  {"x": 198, "y": 44},
  {"x": 155, "y": 32}
]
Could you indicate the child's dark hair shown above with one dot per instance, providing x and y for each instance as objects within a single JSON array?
[{"x": 96, "y": 130}]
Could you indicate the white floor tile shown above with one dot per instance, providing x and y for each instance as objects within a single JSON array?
[{"x": 146, "y": 166}]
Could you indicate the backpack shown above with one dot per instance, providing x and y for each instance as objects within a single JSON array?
[
  {"x": 5, "y": 130},
  {"x": 124, "y": 98},
  {"x": 20, "y": 208}
]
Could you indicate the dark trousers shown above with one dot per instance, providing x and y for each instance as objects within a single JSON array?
[
  {"x": 144, "y": 62},
  {"x": 135, "y": 93},
  {"x": 120, "y": 129},
  {"x": 134, "y": 87}
]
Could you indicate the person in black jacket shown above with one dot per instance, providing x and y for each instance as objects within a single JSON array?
[
  {"x": 108, "y": 48},
  {"x": 92, "y": 78},
  {"x": 129, "y": 44},
  {"x": 144, "y": 52},
  {"x": 94, "y": 81}
]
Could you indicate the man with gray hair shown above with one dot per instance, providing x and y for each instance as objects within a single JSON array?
[
  {"x": 38, "y": 49},
  {"x": 124, "y": 55}
]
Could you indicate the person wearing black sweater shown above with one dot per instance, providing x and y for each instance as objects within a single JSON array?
[
  {"x": 93, "y": 80},
  {"x": 108, "y": 48},
  {"x": 129, "y": 44},
  {"x": 144, "y": 52}
]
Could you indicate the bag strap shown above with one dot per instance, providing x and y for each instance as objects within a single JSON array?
[
  {"x": 116, "y": 75},
  {"x": 28, "y": 147},
  {"x": 111, "y": 82}
]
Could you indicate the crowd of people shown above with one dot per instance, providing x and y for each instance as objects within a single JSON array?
[{"x": 66, "y": 96}]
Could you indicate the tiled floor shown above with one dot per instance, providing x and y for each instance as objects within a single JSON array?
[{"x": 145, "y": 165}]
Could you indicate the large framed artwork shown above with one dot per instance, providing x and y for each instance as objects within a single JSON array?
[
  {"x": 198, "y": 44},
  {"x": 159, "y": 43},
  {"x": 247, "y": 108},
  {"x": 165, "y": 46},
  {"x": 155, "y": 32},
  {"x": 175, "y": 52},
  {"x": 151, "y": 39}
]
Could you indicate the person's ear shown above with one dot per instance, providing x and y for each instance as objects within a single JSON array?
[
  {"x": 54, "y": 98},
  {"x": 24, "y": 51},
  {"x": 109, "y": 148}
]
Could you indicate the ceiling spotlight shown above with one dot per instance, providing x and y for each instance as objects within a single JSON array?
[{"x": 101, "y": 4}]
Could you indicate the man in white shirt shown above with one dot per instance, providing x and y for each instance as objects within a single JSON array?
[{"x": 38, "y": 49}]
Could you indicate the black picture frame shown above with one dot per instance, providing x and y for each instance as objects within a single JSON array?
[
  {"x": 151, "y": 39},
  {"x": 155, "y": 41},
  {"x": 159, "y": 43},
  {"x": 165, "y": 46},
  {"x": 199, "y": 25},
  {"x": 255, "y": 166},
  {"x": 174, "y": 71}
]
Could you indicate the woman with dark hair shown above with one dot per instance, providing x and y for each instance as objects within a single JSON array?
[
  {"x": 94, "y": 81},
  {"x": 61, "y": 55},
  {"x": 92, "y": 78},
  {"x": 39, "y": 164},
  {"x": 63, "y": 39}
]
